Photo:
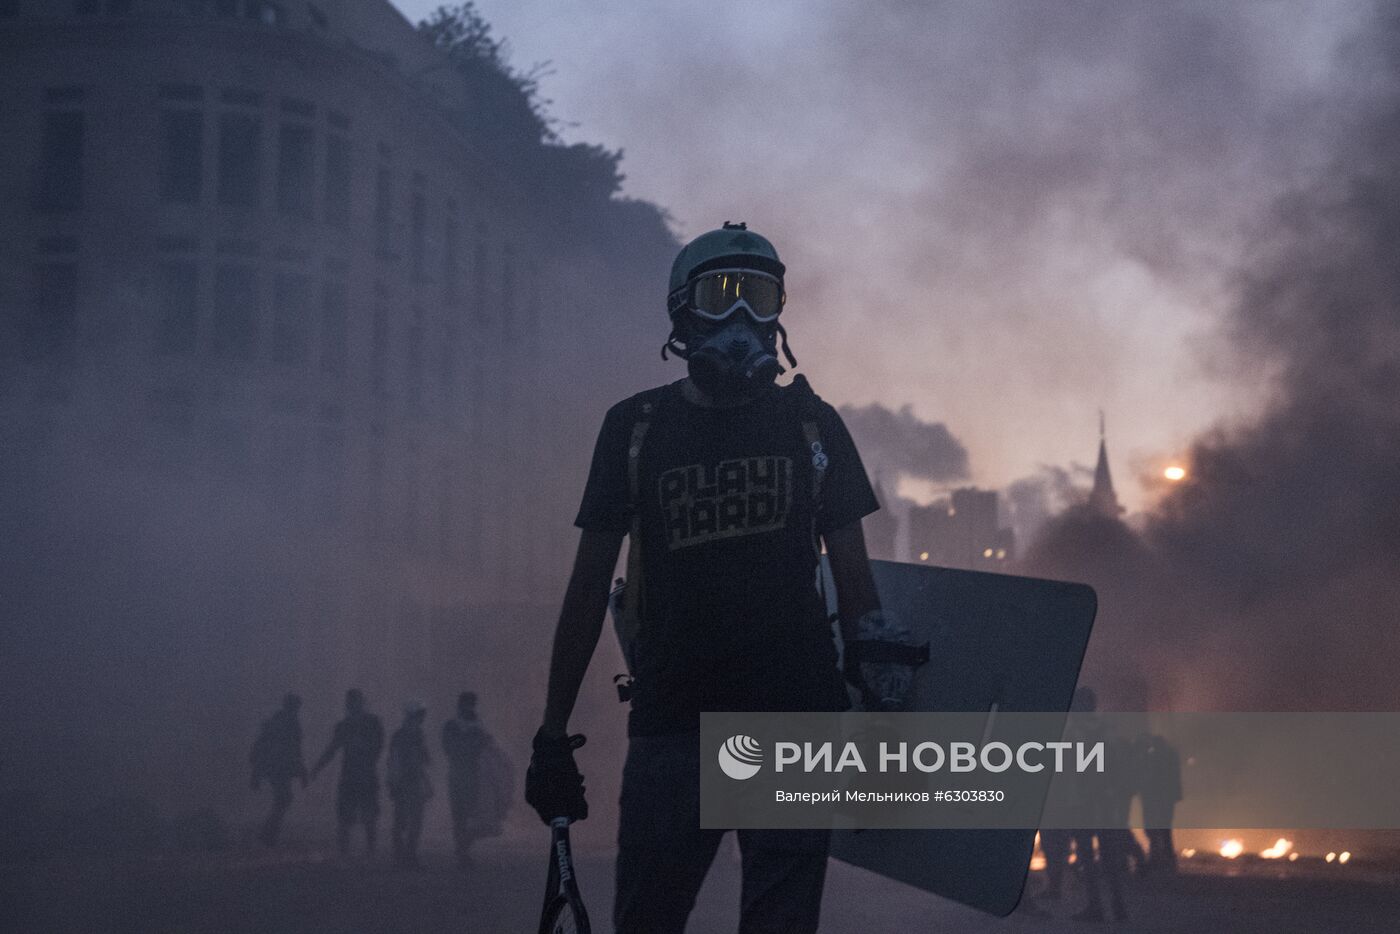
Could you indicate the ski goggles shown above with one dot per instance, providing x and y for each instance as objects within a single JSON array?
[{"x": 717, "y": 294}]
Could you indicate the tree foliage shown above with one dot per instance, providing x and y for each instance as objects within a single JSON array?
[{"x": 508, "y": 115}]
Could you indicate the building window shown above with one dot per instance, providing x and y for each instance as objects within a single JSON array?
[
  {"x": 448, "y": 522},
  {"x": 447, "y": 363},
  {"x": 177, "y": 329},
  {"x": 296, "y": 155},
  {"x": 298, "y": 107},
  {"x": 337, "y": 180},
  {"x": 181, "y": 155},
  {"x": 482, "y": 292},
  {"x": 183, "y": 93},
  {"x": 172, "y": 408},
  {"x": 234, "y": 334},
  {"x": 286, "y": 459},
  {"x": 291, "y": 297},
  {"x": 411, "y": 507},
  {"x": 241, "y": 97},
  {"x": 531, "y": 318},
  {"x": 418, "y": 232},
  {"x": 334, "y": 321},
  {"x": 229, "y": 444},
  {"x": 59, "y": 183},
  {"x": 413, "y": 361},
  {"x": 240, "y": 158},
  {"x": 451, "y": 244},
  {"x": 49, "y": 332},
  {"x": 383, "y": 211},
  {"x": 267, "y": 12},
  {"x": 379, "y": 352},
  {"x": 330, "y": 471},
  {"x": 374, "y": 493},
  {"x": 508, "y": 296},
  {"x": 58, "y": 244}
]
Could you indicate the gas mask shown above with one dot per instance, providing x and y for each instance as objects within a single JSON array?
[
  {"x": 732, "y": 360},
  {"x": 729, "y": 327}
]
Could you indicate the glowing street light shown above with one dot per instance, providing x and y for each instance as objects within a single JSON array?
[{"x": 1175, "y": 473}]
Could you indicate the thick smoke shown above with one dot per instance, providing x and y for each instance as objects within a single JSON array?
[
  {"x": 1032, "y": 501},
  {"x": 900, "y": 442},
  {"x": 1271, "y": 578}
]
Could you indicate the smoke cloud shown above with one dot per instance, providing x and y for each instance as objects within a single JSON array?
[
  {"x": 1007, "y": 215},
  {"x": 899, "y": 441},
  {"x": 1269, "y": 578}
]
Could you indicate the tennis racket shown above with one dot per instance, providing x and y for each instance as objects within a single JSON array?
[{"x": 563, "y": 906}]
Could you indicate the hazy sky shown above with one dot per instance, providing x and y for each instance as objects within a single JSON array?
[{"x": 1007, "y": 215}]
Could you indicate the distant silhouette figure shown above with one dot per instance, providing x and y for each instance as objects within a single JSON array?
[
  {"x": 276, "y": 759},
  {"x": 360, "y": 739},
  {"x": 478, "y": 778},
  {"x": 406, "y": 773},
  {"x": 1103, "y": 802},
  {"x": 1161, "y": 790}
]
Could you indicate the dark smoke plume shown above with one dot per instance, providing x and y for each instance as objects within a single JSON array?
[
  {"x": 1271, "y": 578},
  {"x": 1031, "y": 501},
  {"x": 891, "y": 441}
]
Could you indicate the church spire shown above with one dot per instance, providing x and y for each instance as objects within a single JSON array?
[{"x": 1102, "y": 499}]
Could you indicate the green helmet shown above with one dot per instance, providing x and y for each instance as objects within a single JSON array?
[{"x": 733, "y": 245}]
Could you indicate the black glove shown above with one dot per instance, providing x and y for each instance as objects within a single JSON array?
[{"x": 553, "y": 785}]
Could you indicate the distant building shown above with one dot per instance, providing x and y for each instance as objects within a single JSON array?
[
  {"x": 264, "y": 294},
  {"x": 1102, "y": 498},
  {"x": 963, "y": 531},
  {"x": 882, "y": 526}
]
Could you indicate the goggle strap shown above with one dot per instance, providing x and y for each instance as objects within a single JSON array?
[
  {"x": 673, "y": 346},
  {"x": 787, "y": 351}
]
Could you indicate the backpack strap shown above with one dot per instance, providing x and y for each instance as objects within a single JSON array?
[
  {"x": 806, "y": 399},
  {"x": 634, "y": 457},
  {"x": 629, "y": 620},
  {"x": 811, "y": 433}
]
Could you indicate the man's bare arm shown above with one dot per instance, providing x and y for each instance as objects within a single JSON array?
[
  {"x": 850, "y": 570},
  {"x": 580, "y": 623}
]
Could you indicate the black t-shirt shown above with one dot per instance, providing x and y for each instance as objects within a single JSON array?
[
  {"x": 731, "y": 614},
  {"x": 360, "y": 738}
]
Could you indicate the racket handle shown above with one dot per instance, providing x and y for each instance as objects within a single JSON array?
[{"x": 559, "y": 823}]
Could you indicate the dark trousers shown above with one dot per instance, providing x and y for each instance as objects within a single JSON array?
[
  {"x": 465, "y": 825},
  {"x": 1158, "y": 816},
  {"x": 663, "y": 854},
  {"x": 356, "y": 801},
  {"x": 408, "y": 826},
  {"x": 1055, "y": 845},
  {"x": 281, "y": 800},
  {"x": 1110, "y": 867}
]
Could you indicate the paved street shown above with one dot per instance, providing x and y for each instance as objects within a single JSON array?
[{"x": 308, "y": 891}]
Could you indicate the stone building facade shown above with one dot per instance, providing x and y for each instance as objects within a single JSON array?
[{"x": 295, "y": 342}]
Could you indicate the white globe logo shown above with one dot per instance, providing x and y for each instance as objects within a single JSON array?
[{"x": 740, "y": 757}]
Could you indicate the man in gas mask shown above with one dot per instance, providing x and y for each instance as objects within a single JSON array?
[{"x": 728, "y": 485}]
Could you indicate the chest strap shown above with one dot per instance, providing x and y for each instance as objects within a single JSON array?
[
  {"x": 629, "y": 620},
  {"x": 634, "y": 457},
  {"x": 819, "y": 460}
]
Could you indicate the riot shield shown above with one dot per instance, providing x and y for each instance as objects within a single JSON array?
[{"x": 997, "y": 643}]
